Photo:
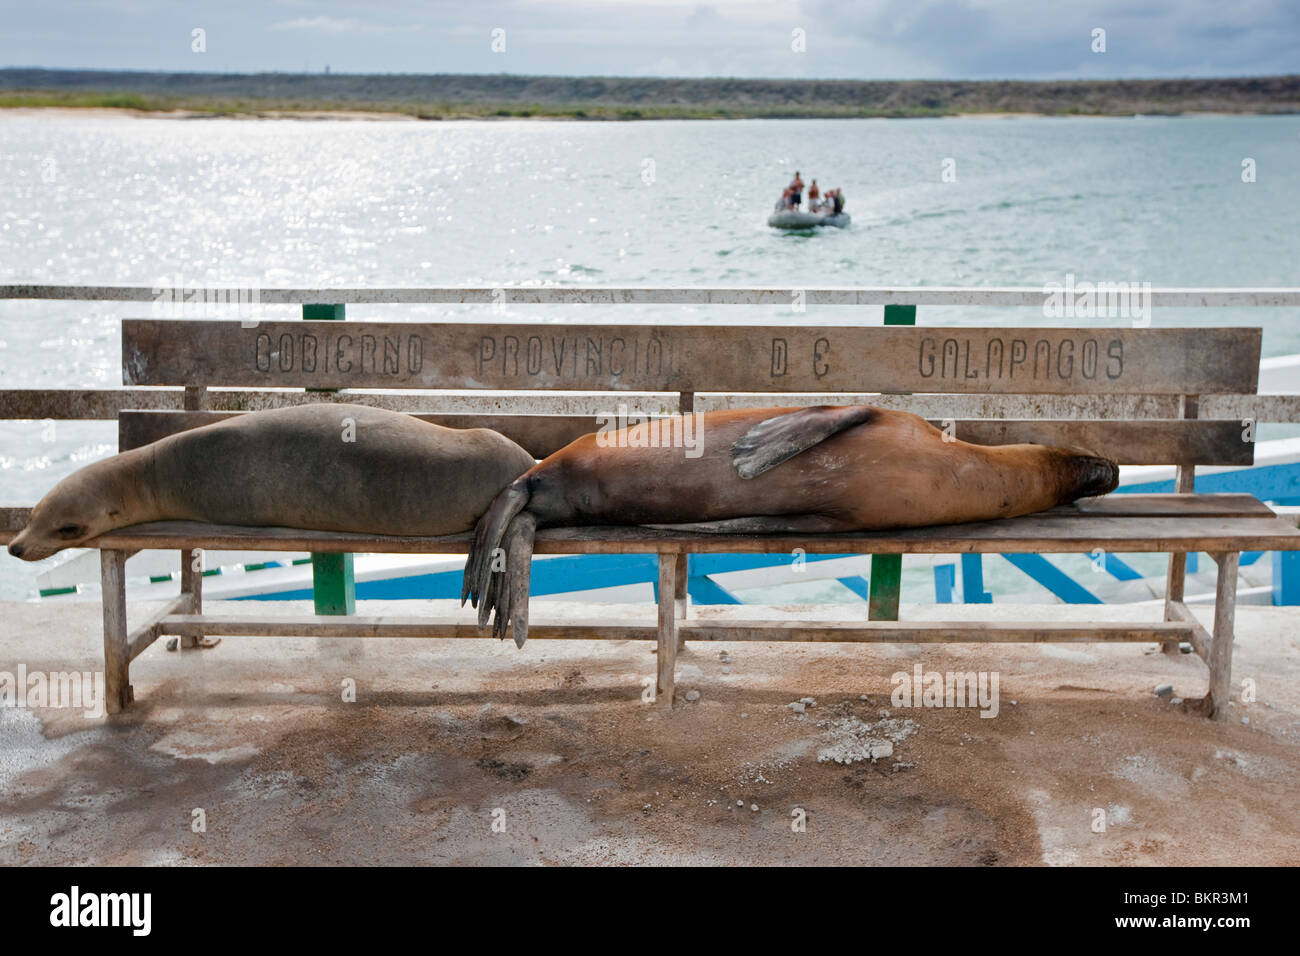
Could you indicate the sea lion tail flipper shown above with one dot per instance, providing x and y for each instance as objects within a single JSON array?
[
  {"x": 779, "y": 439},
  {"x": 489, "y": 531},
  {"x": 512, "y": 597}
]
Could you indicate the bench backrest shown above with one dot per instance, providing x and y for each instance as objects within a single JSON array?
[
  {"x": 825, "y": 360},
  {"x": 723, "y": 358}
]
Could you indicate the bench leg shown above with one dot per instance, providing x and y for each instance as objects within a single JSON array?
[
  {"x": 1175, "y": 581},
  {"x": 680, "y": 596},
  {"x": 1215, "y": 703},
  {"x": 117, "y": 662},
  {"x": 192, "y": 584},
  {"x": 667, "y": 650}
]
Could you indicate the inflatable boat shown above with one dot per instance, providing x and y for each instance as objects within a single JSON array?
[{"x": 792, "y": 219}]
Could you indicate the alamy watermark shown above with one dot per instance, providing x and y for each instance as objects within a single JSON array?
[
  {"x": 78, "y": 690},
  {"x": 627, "y": 429},
  {"x": 1096, "y": 300},
  {"x": 923, "y": 688},
  {"x": 129, "y": 910},
  {"x": 190, "y": 300}
]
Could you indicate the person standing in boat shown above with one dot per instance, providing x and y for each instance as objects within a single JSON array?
[
  {"x": 796, "y": 184},
  {"x": 813, "y": 195}
]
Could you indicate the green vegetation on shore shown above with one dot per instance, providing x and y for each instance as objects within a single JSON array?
[
  {"x": 429, "y": 111},
  {"x": 455, "y": 96}
]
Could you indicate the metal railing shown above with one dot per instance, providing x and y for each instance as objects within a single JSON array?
[{"x": 656, "y": 295}]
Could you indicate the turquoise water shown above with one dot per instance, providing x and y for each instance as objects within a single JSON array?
[{"x": 116, "y": 200}]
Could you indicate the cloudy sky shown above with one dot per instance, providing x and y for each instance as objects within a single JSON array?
[{"x": 860, "y": 39}]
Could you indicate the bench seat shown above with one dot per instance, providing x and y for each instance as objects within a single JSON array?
[
  {"x": 1124, "y": 523},
  {"x": 1221, "y": 524}
]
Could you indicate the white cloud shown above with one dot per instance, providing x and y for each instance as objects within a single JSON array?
[
  {"x": 850, "y": 39},
  {"x": 337, "y": 25}
]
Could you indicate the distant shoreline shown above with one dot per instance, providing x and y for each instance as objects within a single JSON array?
[
  {"x": 486, "y": 97},
  {"x": 373, "y": 116}
]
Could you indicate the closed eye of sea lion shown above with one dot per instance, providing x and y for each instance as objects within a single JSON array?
[
  {"x": 770, "y": 470},
  {"x": 323, "y": 467}
]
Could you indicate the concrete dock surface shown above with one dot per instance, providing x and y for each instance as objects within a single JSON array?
[{"x": 475, "y": 752}]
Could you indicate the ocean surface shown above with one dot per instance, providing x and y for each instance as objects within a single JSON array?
[{"x": 117, "y": 200}]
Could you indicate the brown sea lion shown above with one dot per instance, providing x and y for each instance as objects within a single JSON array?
[
  {"x": 324, "y": 467},
  {"x": 802, "y": 470}
]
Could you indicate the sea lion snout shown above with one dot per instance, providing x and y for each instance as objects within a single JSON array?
[
  {"x": 26, "y": 549},
  {"x": 1093, "y": 475}
]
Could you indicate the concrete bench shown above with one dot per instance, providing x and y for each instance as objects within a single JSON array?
[{"x": 226, "y": 366}]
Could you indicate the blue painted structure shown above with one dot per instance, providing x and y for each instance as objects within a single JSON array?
[
  {"x": 945, "y": 582},
  {"x": 568, "y": 573},
  {"x": 1279, "y": 484},
  {"x": 563, "y": 574}
]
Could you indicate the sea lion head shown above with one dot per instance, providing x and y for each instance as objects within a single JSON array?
[
  {"x": 86, "y": 504},
  {"x": 1085, "y": 475}
]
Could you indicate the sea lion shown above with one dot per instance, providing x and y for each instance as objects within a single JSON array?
[
  {"x": 323, "y": 467},
  {"x": 803, "y": 470}
]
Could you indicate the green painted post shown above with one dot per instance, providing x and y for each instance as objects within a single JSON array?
[
  {"x": 333, "y": 586},
  {"x": 887, "y": 569},
  {"x": 886, "y": 582},
  {"x": 333, "y": 583},
  {"x": 324, "y": 312}
]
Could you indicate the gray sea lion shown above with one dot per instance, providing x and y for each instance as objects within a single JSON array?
[
  {"x": 324, "y": 467},
  {"x": 802, "y": 470}
]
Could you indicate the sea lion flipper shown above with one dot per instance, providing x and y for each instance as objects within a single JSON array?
[
  {"x": 779, "y": 439},
  {"x": 505, "y": 598},
  {"x": 489, "y": 531},
  {"x": 760, "y": 524},
  {"x": 496, "y": 577},
  {"x": 519, "y": 559}
]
